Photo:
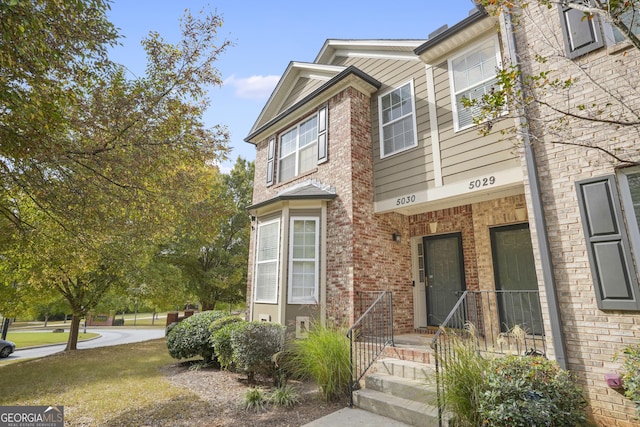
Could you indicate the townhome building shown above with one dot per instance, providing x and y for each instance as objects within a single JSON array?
[
  {"x": 371, "y": 175},
  {"x": 583, "y": 157}
]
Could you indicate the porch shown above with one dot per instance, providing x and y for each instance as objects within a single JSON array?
[{"x": 389, "y": 371}]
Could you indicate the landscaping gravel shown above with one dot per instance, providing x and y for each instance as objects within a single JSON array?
[{"x": 221, "y": 396}]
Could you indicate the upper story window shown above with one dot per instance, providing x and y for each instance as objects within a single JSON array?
[
  {"x": 631, "y": 19},
  {"x": 397, "y": 120},
  {"x": 301, "y": 147},
  {"x": 267, "y": 252},
  {"x": 630, "y": 189},
  {"x": 472, "y": 75}
]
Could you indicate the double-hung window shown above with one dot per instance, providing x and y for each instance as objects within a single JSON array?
[
  {"x": 303, "y": 260},
  {"x": 472, "y": 75},
  {"x": 298, "y": 149},
  {"x": 397, "y": 120},
  {"x": 630, "y": 18},
  {"x": 266, "y": 281}
]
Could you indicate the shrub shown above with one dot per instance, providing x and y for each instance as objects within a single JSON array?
[
  {"x": 254, "y": 399},
  {"x": 190, "y": 338},
  {"x": 463, "y": 379},
  {"x": 324, "y": 357},
  {"x": 286, "y": 396},
  {"x": 631, "y": 374},
  {"x": 530, "y": 391},
  {"x": 221, "y": 339},
  {"x": 254, "y": 344}
]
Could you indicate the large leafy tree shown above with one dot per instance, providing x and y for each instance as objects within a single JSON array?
[
  {"x": 211, "y": 247},
  {"x": 542, "y": 81},
  {"x": 99, "y": 169}
]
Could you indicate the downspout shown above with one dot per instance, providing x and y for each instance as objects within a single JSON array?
[{"x": 538, "y": 212}]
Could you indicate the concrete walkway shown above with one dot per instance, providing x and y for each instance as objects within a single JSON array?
[{"x": 354, "y": 417}]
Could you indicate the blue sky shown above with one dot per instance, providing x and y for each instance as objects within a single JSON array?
[{"x": 267, "y": 35}]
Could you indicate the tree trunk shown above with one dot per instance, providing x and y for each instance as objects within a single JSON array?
[
  {"x": 208, "y": 305},
  {"x": 46, "y": 319},
  {"x": 74, "y": 330}
]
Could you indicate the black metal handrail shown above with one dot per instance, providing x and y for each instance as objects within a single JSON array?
[
  {"x": 369, "y": 335},
  {"x": 495, "y": 322}
]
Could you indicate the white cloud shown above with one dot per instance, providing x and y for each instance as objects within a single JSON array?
[{"x": 254, "y": 87}]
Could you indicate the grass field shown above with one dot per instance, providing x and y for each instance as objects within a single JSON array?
[
  {"x": 95, "y": 387},
  {"x": 31, "y": 339}
]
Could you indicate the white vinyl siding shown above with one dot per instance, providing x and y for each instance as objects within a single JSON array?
[
  {"x": 298, "y": 149},
  {"x": 397, "y": 120},
  {"x": 267, "y": 252},
  {"x": 303, "y": 260},
  {"x": 472, "y": 75}
]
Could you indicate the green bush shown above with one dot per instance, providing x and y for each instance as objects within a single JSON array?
[
  {"x": 530, "y": 391},
  {"x": 190, "y": 338},
  {"x": 254, "y": 345},
  {"x": 221, "y": 339},
  {"x": 631, "y": 374},
  {"x": 323, "y": 357}
]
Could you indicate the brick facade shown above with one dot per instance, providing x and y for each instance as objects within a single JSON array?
[{"x": 592, "y": 336}]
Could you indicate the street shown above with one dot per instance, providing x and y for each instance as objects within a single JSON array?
[{"x": 108, "y": 337}]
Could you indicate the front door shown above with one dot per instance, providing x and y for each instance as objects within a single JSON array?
[
  {"x": 515, "y": 277},
  {"x": 444, "y": 275}
]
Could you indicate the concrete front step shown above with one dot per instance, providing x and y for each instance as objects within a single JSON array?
[
  {"x": 405, "y": 369},
  {"x": 423, "y": 391},
  {"x": 402, "y": 390},
  {"x": 397, "y": 408}
]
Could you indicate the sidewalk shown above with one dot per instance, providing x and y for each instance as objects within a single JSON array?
[{"x": 354, "y": 417}]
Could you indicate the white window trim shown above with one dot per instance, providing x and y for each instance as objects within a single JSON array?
[
  {"x": 315, "y": 298},
  {"x": 296, "y": 152},
  {"x": 452, "y": 89},
  {"x": 277, "y": 261},
  {"x": 629, "y": 213},
  {"x": 413, "y": 120}
]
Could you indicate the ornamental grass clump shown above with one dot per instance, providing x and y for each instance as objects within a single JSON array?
[
  {"x": 286, "y": 396},
  {"x": 530, "y": 391},
  {"x": 254, "y": 399},
  {"x": 463, "y": 378},
  {"x": 324, "y": 357}
]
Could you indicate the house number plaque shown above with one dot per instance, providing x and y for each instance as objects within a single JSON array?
[{"x": 482, "y": 182}]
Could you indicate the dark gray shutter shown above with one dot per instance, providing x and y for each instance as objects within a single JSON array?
[
  {"x": 271, "y": 149},
  {"x": 614, "y": 280},
  {"x": 323, "y": 154},
  {"x": 581, "y": 34}
]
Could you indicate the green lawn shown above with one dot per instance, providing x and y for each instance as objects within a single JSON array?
[
  {"x": 107, "y": 386},
  {"x": 30, "y": 339}
]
